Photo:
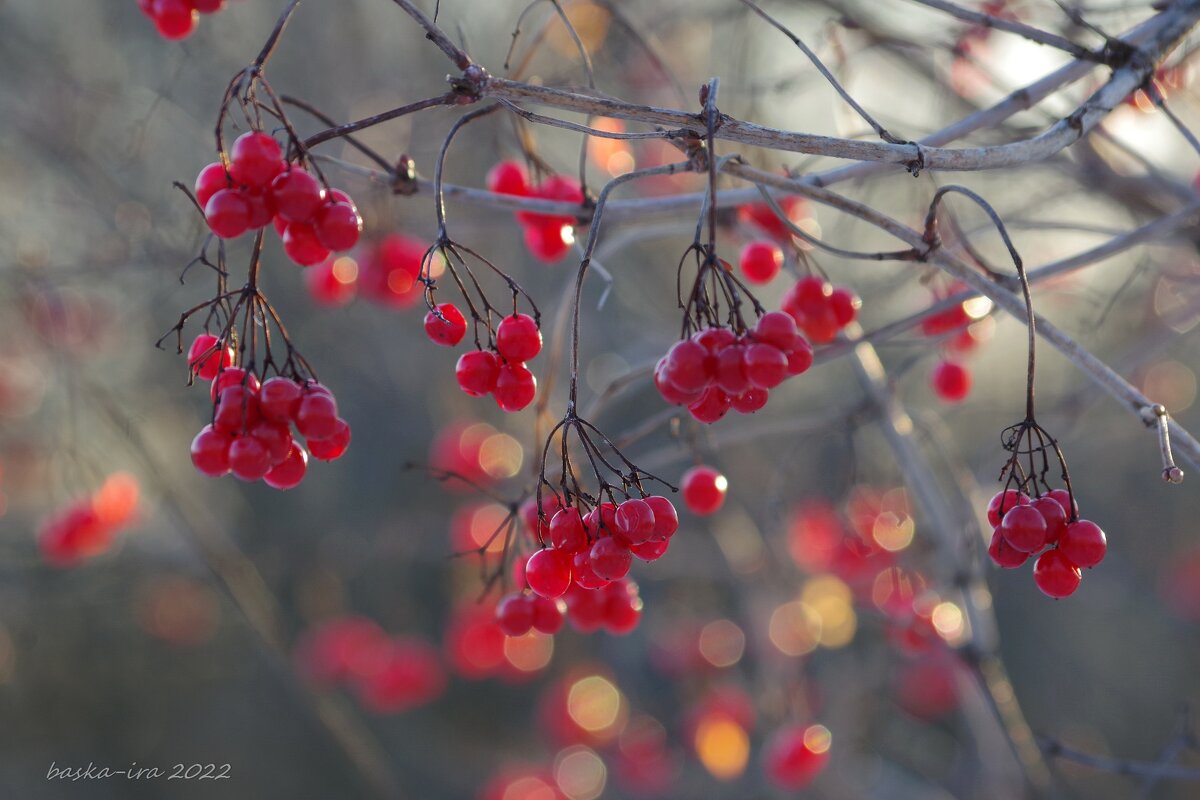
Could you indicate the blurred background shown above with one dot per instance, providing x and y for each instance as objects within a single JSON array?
[{"x": 224, "y": 623}]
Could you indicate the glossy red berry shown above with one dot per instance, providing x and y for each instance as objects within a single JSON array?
[
  {"x": 233, "y": 376},
  {"x": 548, "y": 615},
  {"x": 610, "y": 560},
  {"x": 248, "y": 459},
  {"x": 210, "y": 452},
  {"x": 279, "y": 398},
  {"x": 567, "y": 532},
  {"x": 236, "y": 411},
  {"x": 634, "y": 521},
  {"x": 255, "y": 158},
  {"x": 276, "y": 437},
  {"x": 801, "y": 356},
  {"x": 766, "y": 366},
  {"x": 508, "y": 177},
  {"x": 227, "y": 213},
  {"x": 334, "y": 446},
  {"x": 1083, "y": 543},
  {"x": 760, "y": 262},
  {"x": 288, "y": 474},
  {"x": 316, "y": 416},
  {"x": 514, "y": 614},
  {"x": 206, "y": 358},
  {"x": 548, "y": 243},
  {"x": 174, "y": 19},
  {"x": 296, "y": 194},
  {"x": 1052, "y": 512},
  {"x": 261, "y": 210},
  {"x": 1004, "y": 554},
  {"x": 751, "y": 400},
  {"x": 688, "y": 367},
  {"x": 1064, "y": 499},
  {"x": 337, "y": 226},
  {"x": 515, "y": 387},
  {"x": 518, "y": 338},
  {"x": 548, "y": 572},
  {"x": 1055, "y": 575},
  {"x": 302, "y": 245},
  {"x": 951, "y": 381},
  {"x": 703, "y": 490},
  {"x": 477, "y": 371},
  {"x": 582, "y": 574},
  {"x": 445, "y": 326},
  {"x": 666, "y": 518},
  {"x": 777, "y": 329},
  {"x": 808, "y": 298},
  {"x": 712, "y": 405},
  {"x": 622, "y": 610},
  {"x": 211, "y": 180},
  {"x": 1001, "y": 502},
  {"x": 1024, "y": 528},
  {"x": 845, "y": 305},
  {"x": 651, "y": 550}
]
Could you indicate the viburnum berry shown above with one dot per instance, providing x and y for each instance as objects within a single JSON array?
[
  {"x": 248, "y": 458},
  {"x": 845, "y": 305},
  {"x": 477, "y": 372},
  {"x": 951, "y": 381},
  {"x": 297, "y": 196},
  {"x": 731, "y": 371},
  {"x": 622, "y": 608},
  {"x": 586, "y": 607},
  {"x": 816, "y": 310},
  {"x": 276, "y": 437},
  {"x": 548, "y": 615},
  {"x": 227, "y": 213},
  {"x": 1054, "y": 515},
  {"x": 174, "y": 19},
  {"x": 1055, "y": 575},
  {"x": 210, "y": 451},
  {"x": 1000, "y": 504},
  {"x": 508, "y": 177},
  {"x": 777, "y": 329},
  {"x": 445, "y": 325},
  {"x": 332, "y": 447},
  {"x": 713, "y": 404},
  {"x": 548, "y": 243},
  {"x": 703, "y": 490},
  {"x": 518, "y": 338},
  {"x": 302, "y": 245},
  {"x": 567, "y": 532},
  {"x": 582, "y": 573},
  {"x": 255, "y": 159},
  {"x": 610, "y": 560},
  {"x": 515, "y": 387},
  {"x": 1004, "y": 554},
  {"x": 548, "y": 572},
  {"x": 765, "y": 366},
  {"x": 688, "y": 367},
  {"x": 760, "y": 262},
  {"x": 279, "y": 398},
  {"x": 764, "y": 218},
  {"x": 337, "y": 226},
  {"x": 749, "y": 401},
  {"x": 288, "y": 474},
  {"x": 634, "y": 521},
  {"x": 316, "y": 416},
  {"x": 651, "y": 550},
  {"x": 333, "y": 282},
  {"x": 206, "y": 357},
  {"x": 1024, "y": 528},
  {"x": 1083, "y": 543},
  {"x": 666, "y": 518},
  {"x": 236, "y": 410},
  {"x": 514, "y": 614},
  {"x": 1066, "y": 501},
  {"x": 211, "y": 180}
]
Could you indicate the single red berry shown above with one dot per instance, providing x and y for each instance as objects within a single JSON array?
[
  {"x": 688, "y": 367},
  {"x": 801, "y": 356},
  {"x": 477, "y": 372},
  {"x": 174, "y": 19},
  {"x": 332, "y": 447},
  {"x": 236, "y": 411},
  {"x": 703, "y": 490},
  {"x": 233, "y": 376},
  {"x": 279, "y": 398},
  {"x": 255, "y": 158},
  {"x": 567, "y": 532},
  {"x": 777, "y": 329},
  {"x": 206, "y": 358},
  {"x": 337, "y": 226},
  {"x": 582, "y": 574},
  {"x": 669, "y": 392},
  {"x": 211, "y": 180},
  {"x": 515, "y": 387},
  {"x": 288, "y": 474},
  {"x": 316, "y": 416},
  {"x": 1083, "y": 543},
  {"x": 766, "y": 366},
  {"x": 302, "y": 245},
  {"x": 548, "y": 243},
  {"x": 296, "y": 194},
  {"x": 634, "y": 521},
  {"x": 951, "y": 381},
  {"x": 610, "y": 559},
  {"x": 446, "y": 325},
  {"x": 795, "y": 755},
  {"x": 1065, "y": 500},
  {"x": 760, "y": 262},
  {"x": 808, "y": 298},
  {"x": 821, "y": 327},
  {"x": 508, "y": 177},
  {"x": 248, "y": 459},
  {"x": 651, "y": 550},
  {"x": 1053, "y": 514},
  {"x": 276, "y": 437},
  {"x": 261, "y": 210},
  {"x": 1000, "y": 504},
  {"x": 712, "y": 405},
  {"x": 210, "y": 452},
  {"x": 714, "y": 340},
  {"x": 731, "y": 370},
  {"x": 845, "y": 304},
  {"x": 518, "y": 338},
  {"x": 1024, "y": 528},
  {"x": 764, "y": 218},
  {"x": 666, "y": 518},
  {"x": 548, "y": 615},
  {"x": 622, "y": 610},
  {"x": 548, "y": 572},
  {"x": 1055, "y": 575},
  {"x": 227, "y": 213},
  {"x": 514, "y": 614},
  {"x": 751, "y": 400}
]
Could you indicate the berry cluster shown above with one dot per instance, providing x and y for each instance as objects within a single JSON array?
[
  {"x": 176, "y": 19},
  {"x": 715, "y": 369},
  {"x": 87, "y": 527},
  {"x": 547, "y": 236},
  {"x": 259, "y": 186},
  {"x": 1024, "y": 526},
  {"x": 501, "y": 373},
  {"x": 251, "y": 434},
  {"x": 819, "y": 309}
]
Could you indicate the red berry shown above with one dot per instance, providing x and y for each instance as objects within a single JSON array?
[
  {"x": 236, "y": 411},
  {"x": 548, "y": 572},
  {"x": 1064, "y": 499},
  {"x": 845, "y": 305},
  {"x": 174, "y": 19},
  {"x": 210, "y": 452},
  {"x": 622, "y": 609},
  {"x": 227, "y": 213},
  {"x": 731, "y": 370},
  {"x": 822, "y": 327},
  {"x": 248, "y": 458},
  {"x": 777, "y": 329},
  {"x": 751, "y": 400},
  {"x": 276, "y": 437},
  {"x": 316, "y": 416},
  {"x": 634, "y": 521},
  {"x": 567, "y": 532},
  {"x": 760, "y": 262},
  {"x": 1024, "y": 528},
  {"x": 518, "y": 338},
  {"x": 255, "y": 158},
  {"x": 666, "y": 519},
  {"x": 279, "y": 398},
  {"x": 1004, "y": 554},
  {"x": 1055, "y": 575},
  {"x": 801, "y": 356},
  {"x": 1000, "y": 504},
  {"x": 687, "y": 366},
  {"x": 668, "y": 390},
  {"x": 582, "y": 574},
  {"x": 206, "y": 358},
  {"x": 765, "y": 366},
  {"x": 586, "y": 607},
  {"x": 233, "y": 376},
  {"x": 601, "y": 521},
  {"x": 337, "y": 226},
  {"x": 1083, "y": 543},
  {"x": 808, "y": 298},
  {"x": 548, "y": 615},
  {"x": 211, "y": 180},
  {"x": 703, "y": 490},
  {"x": 651, "y": 550},
  {"x": 514, "y": 615},
  {"x": 296, "y": 194},
  {"x": 548, "y": 243},
  {"x": 765, "y": 219},
  {"x": 288, "y": 474},
  {"x": 302, "y": 246},
  {"x": 508, "y": 177},
  {"x": 712, "y": 405},
  {"x": 1053, "y": 514},
  {"x": 445, "y": 326},
  {"x": 610, "y": 559},
  {"x": 951, "y": 381},
  {"x": 515, "y": 387},
  {"x": 795, "y": 755},
  {"x": 477, "y": 372},
  {"x": 714, "y": 340},
  {"x": 332, "y": 447},
  {"x": 333, "y": 282}
]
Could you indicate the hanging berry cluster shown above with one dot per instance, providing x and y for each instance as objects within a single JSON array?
[
  {"x": 501, "y": 373},
  {"x": 259, "y": 187},
  {"x": 547, "y": 236},
  {"x": 176, "y": 19}
]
